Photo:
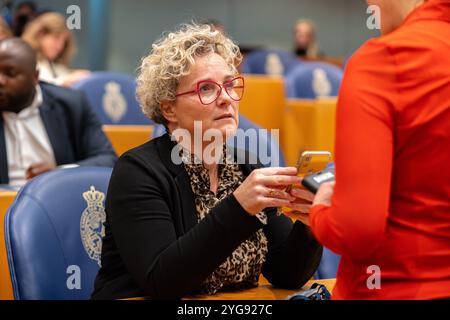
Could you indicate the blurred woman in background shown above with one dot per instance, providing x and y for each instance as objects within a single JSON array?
[
  {"x": 55, "y": 47},
  {"x": 305, "y": 41}
]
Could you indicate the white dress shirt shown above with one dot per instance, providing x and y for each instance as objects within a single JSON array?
[{"x": 27, "y": 141}]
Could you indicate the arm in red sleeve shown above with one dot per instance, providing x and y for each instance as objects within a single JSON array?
[{"x": 355, "y": 223}]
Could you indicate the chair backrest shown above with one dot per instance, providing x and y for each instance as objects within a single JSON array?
[
  {"x": 53, "y": 234},
  {"x": 113, "y": 97},
  {"x": 311, "y": 80},
  {"x": 258, "y": 141},
  {"x": 269, "y": 62},
  {"x": 158, "y": 130},
  {"x": 263, "y": 140},
  {"x": 328, "y": 265}
]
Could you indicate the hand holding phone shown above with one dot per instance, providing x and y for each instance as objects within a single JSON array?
[
  {"x": 313, "y": 181},
  {"x": 311, "y": 162}
]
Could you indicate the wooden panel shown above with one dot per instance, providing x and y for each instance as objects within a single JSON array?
[
  {"x": 126, "y": 137},
  {"x": 264, "y": 100},
  {"x": 6, "y": 292},
  {"x": 308, "y": 125}
]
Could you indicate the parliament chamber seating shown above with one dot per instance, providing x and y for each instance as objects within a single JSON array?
[{"x": 53, "y": 234}]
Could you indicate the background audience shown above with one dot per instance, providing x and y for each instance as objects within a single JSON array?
[
  {"x": 43, "y": 126},
  {"x": 305, "y": 41},
  {"x": 5, "y": 30},
  {"x": 24, "y": 13},
  {"x": 55, "y": 47}
]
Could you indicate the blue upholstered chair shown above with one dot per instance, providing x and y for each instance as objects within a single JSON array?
[
  {"x": 311, "y": 80},
  {"x": 158, "y": 130},
  {"x": 265, "y": 147},
  {"x": 264, "y": 142},
  {"x": 328, "y": 265},
  {"x": 330, "y": 261},
  {"x": 113, "y": 97},
  {"x": 53, "y": 234},
  {"x": 269, "y": 62}
]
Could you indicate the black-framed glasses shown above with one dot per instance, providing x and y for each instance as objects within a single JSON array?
[{"x": 208, "y": 91}]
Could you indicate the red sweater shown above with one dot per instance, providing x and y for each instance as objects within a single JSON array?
[{"x": 391, "y": 205}]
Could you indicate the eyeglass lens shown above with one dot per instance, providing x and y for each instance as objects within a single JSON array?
[{"x": 209, "y": 91}]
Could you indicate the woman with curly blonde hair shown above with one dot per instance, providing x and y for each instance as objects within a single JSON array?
[
  {"x": 180, "y": 227},
  {"x": 55, "y": 48}
]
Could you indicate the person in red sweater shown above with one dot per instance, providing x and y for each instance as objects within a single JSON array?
[{"x": 388, "y": 213}]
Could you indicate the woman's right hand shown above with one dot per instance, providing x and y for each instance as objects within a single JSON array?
[{"x": 264, "y": 188}]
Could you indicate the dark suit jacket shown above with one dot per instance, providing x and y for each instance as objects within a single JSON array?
[
  {"x": 154, "y": 246},
  {"x": 74, "y": 131}
]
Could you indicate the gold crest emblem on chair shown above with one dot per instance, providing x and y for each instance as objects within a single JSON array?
[{"x": 91, "y": 223}]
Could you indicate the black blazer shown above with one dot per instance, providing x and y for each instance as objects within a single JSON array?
[
  {"x": 154, "y": 246},
  {"x": 74, "y": 131}
]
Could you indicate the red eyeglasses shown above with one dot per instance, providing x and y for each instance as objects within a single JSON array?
[{"x": 208, "y": 91}]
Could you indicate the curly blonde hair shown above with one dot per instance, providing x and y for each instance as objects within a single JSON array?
[
  {"x": 171, "y": 58},
  {"x": 50, "y": 23}
]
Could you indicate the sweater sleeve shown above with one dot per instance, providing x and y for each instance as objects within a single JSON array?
[
  {"x": 293, "y": 255},
  {"x": 355, "y": 223}
]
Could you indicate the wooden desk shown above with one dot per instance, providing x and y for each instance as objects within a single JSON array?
[
  {"x": 264, "y": 291},
  {"x": 6, "y": 292}
]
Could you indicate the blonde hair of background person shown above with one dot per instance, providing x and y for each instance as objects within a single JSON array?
[
  {"x": 55, "y": 47},
  {"x": 305, "y": 41},
  {"x": 5, "y": 30}
]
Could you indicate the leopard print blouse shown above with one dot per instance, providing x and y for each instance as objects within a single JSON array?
[{"x": 242, "y": 268}]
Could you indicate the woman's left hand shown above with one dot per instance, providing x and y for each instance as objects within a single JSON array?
[
  {"x": 324, "y": 194},
  {"x": 305, "y": 200}
]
